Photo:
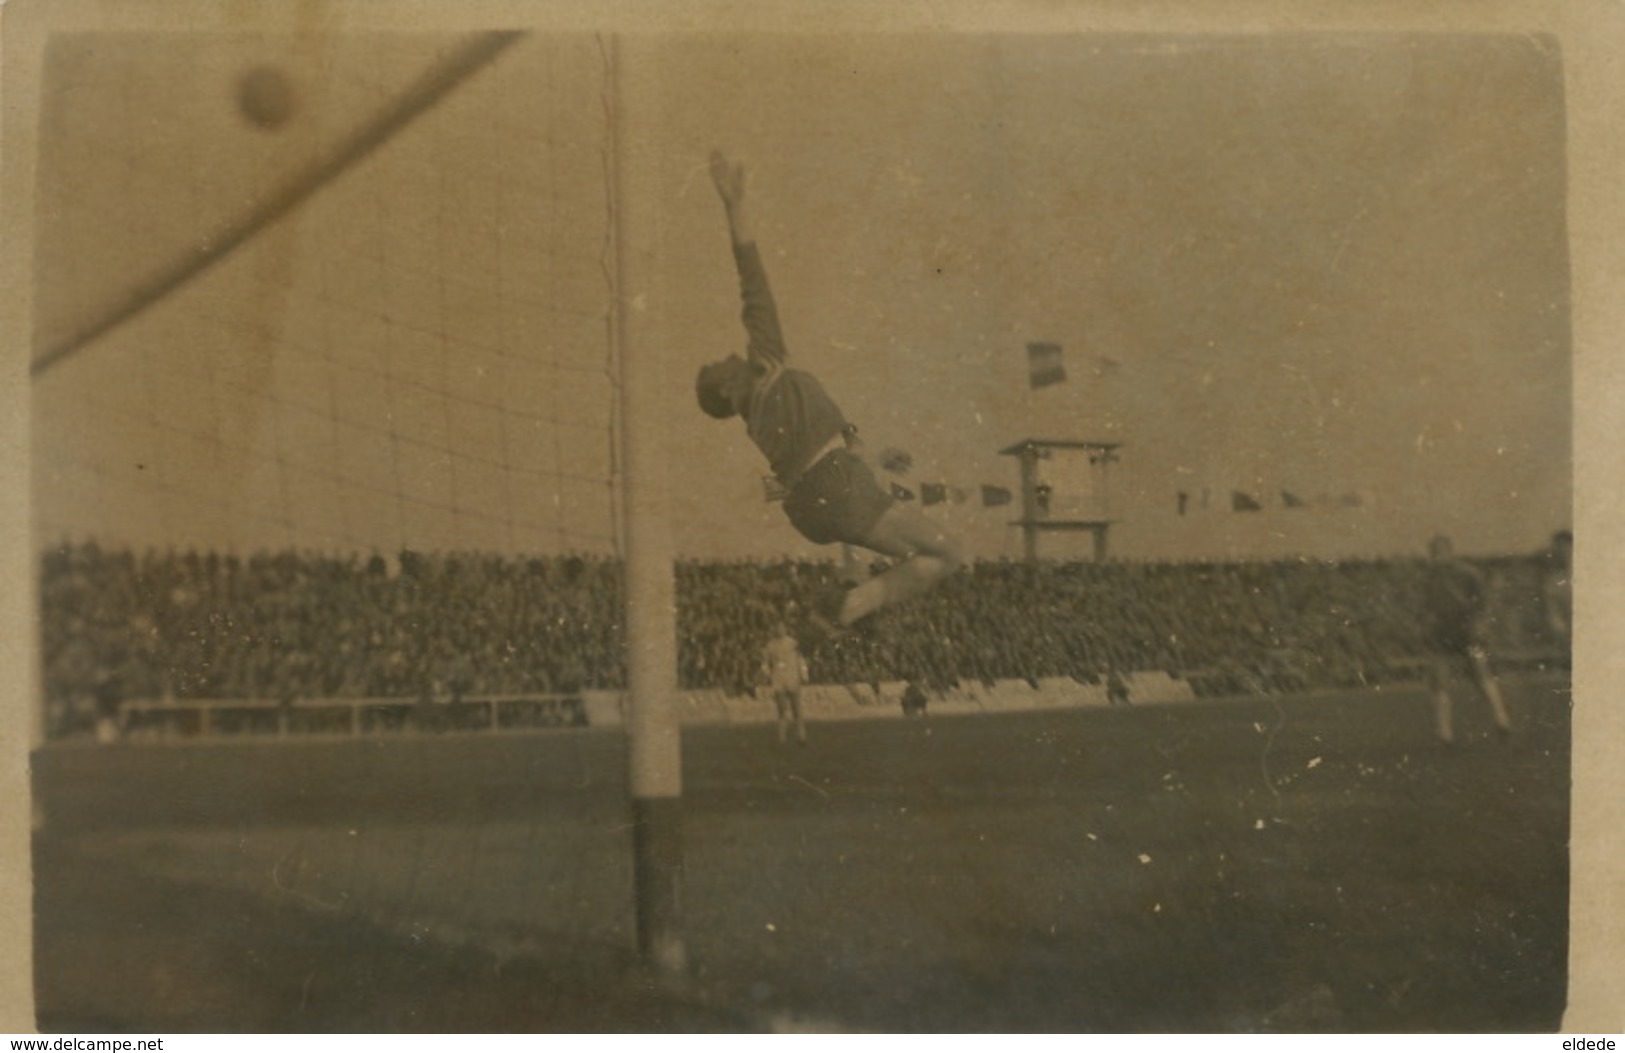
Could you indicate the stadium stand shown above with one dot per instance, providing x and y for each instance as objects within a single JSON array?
[{"x": 462, "y": 641}]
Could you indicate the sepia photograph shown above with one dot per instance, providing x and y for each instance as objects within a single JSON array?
[{"x": 576, "y": 522}]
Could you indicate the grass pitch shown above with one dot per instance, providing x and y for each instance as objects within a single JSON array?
[{"x": 1310, "y": 863}]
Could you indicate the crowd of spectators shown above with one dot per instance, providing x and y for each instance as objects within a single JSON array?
[{"x": 294, "y": 625}]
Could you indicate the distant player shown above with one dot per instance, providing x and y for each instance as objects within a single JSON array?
[
  {"x": 785, "y": 671},
  {"x": 831, "y": 493},
  {"x": 1457, "y": 597},
  {"x": 1117, "y": 693},
  {"x": 914, "y": 700}
]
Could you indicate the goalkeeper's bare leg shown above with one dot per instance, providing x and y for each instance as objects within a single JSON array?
[{"x": 925, "y": 554}]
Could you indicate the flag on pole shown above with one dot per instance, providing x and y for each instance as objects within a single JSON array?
[{"x": 1044, "y": 365}]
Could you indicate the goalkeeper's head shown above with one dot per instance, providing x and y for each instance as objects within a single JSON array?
[{"x": 723, "y": 387}]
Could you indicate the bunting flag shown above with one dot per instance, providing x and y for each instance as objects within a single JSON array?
[
  {"x": 1185, "y": 501},
  {"x": 1044, "y": 365},
  {"x": 896, "y": 461}
]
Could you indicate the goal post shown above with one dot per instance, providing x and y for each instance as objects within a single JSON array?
[
  {"x": 402, "y": 322},
  {"x": 655, "y": 745}
]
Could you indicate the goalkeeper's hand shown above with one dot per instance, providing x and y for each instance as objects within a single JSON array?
[{"x": 729, "y": 178}]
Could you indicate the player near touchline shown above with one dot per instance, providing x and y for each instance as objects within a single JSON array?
[
  {"x": 831, "y": 493},
  {"x": 1556, "y": 593},
  {"x": 784, "y": 671},
  {"x": 1457, "y": 598}
]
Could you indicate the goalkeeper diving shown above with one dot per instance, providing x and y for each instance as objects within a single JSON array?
[{"x": 831, "y": 492}]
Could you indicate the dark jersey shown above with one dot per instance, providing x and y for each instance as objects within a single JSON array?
[
  {"x": 1455, "y": 595},
  {"x": 790, "y": 417}
]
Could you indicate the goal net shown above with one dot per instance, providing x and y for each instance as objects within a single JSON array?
[
  {"x": 376, "y": 317},
  {"x": 306, "y": 307}
]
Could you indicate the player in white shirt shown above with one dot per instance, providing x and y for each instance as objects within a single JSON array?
[{"x": 785, "y": 671}]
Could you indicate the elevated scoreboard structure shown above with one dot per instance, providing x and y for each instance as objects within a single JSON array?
[{"x": 1064, "y": 488}]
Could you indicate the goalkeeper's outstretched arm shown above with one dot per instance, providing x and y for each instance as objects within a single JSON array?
[
  {"x": 729, "y": 179},
  {"x": 760, "y": 314}
]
